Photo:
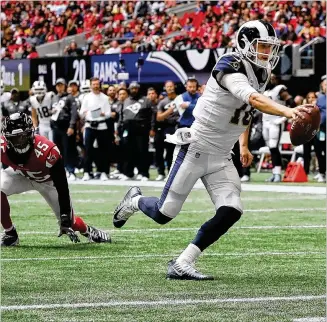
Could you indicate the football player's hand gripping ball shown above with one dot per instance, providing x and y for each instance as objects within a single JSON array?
[{"x": 65, "y": 228}]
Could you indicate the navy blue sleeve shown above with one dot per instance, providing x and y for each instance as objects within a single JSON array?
[
  {"x": 227, "y": 65},
  {"x": 321, "y": 103}
]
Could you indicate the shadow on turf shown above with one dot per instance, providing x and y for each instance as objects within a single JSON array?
[{"x": 77, "y": 246}]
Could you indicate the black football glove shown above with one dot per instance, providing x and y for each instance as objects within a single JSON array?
[{"x": 65, "y": 228}]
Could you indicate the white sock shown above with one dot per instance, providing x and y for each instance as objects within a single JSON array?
[
  {"x": 135, "y": 202},
  {"x": 189, "y": 255},
  {"x": 277, "y": 170},
  {"x": 9, "y": 229}
]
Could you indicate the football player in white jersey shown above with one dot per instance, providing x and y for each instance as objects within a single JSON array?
[
  {"x": 222, "y": 116},
  {"x": 273, "y": 125},
  {"x": 5, "y": 96},
  {"x": 41, "y": 103},
  {"x": 84, "y": 89}
]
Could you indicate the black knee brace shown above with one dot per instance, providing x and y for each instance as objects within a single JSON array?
[{"x": 217, "y": 226}]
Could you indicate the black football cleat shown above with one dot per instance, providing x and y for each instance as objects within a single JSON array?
[
  {"x": 10, "y": 238},
  {"x": 185, "y": 271},
  {"x": 125, "y": 209},
  {"x": 95, "y": 235}
]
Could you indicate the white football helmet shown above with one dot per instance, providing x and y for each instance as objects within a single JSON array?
[
  {"x": 85, "y": 86},
  {"x": 254, "y": 33},
  {"x": 39, "y": 89}
]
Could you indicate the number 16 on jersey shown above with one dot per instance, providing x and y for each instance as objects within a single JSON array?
[{"x": 242, "y": 115}]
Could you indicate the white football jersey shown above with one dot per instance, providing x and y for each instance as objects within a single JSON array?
[
  {"x": 222, "y": 115},
  {"x": 274, "y": 95},
  {"x": 43, "y": 108},
  {"x": 5, "y": 97}
]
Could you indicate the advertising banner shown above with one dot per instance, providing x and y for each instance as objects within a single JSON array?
[
  {"x": 150, "y": 68},
  {"x": 158, "y": 66},
  {"x": 16, "y": 73}
]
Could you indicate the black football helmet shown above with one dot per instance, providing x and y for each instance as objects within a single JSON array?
[
  {"x": 256, "y": 32},
  {"x": 18, "y": 131}
]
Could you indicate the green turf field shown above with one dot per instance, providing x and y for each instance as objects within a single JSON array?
[{"x": 272, "y": 262}]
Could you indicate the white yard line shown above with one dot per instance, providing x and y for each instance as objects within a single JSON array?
[
  {"x": 196, "y": 200},
  {"x": 211, "y": 210},
  {"x": 161, "y": 303},
  {"x": 93, "y": 191},
  {"x": 187, "y": 211},
  {"x": 245, "y": 187},
  {"x": 165, "y": 230},
  {"x": 144, "y": 256},
  {"x": 42, "y": 201},
  {"x": 291, "y": 196},
  {"x": 311, "y": 320}
]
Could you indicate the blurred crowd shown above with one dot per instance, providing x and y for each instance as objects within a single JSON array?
[{"x": 128, "y": 26}]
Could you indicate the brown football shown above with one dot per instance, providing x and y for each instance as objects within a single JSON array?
[{"x": 303, "y": 130}]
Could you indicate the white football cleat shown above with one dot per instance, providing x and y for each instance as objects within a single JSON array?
[
  {"x": 95, "y": 235},
  {"x": 277, "y": 178},
  {"x": 185, "y": 271},
  {"x": 145, "y": 179},
  {"x": 139, "y": 177},
  {"x": 86, "y": 177},
  {"x": 122, "y": 177},
  {"x": 321, "y": 178},
  {"x": 104, "y": 177},
  {"x": 160, "y": 177},
  {"x": 115, "y": 174},
  {"x": 72, "y": 177},
  {"x": 126, "y": 209},
  {"x": 245, "y": 178}
]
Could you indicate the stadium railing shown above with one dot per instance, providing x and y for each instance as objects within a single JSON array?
[{"x": 303, "y": 58}]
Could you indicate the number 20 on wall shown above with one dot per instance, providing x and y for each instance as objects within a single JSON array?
[{"x": 79, "y": 71}]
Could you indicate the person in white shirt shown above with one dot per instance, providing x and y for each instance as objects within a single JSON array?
[
  {"x": 96, "y": 112},
  {"x": 114, "y": 48}
]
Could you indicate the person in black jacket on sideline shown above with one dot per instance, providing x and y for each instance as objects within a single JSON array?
[
  {"x": 63, "y": 124},
  {"x": 137, "y": 116}
]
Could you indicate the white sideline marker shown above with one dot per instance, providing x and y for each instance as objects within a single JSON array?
[
  {"x": 314, "y": 190},
  {"x": 160, "y": 303}
]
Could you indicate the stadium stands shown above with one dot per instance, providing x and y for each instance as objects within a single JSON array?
[{"x": 114, "y": 26}]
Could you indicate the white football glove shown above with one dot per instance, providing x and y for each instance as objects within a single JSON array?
[{"x": 280, "y": 120}]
